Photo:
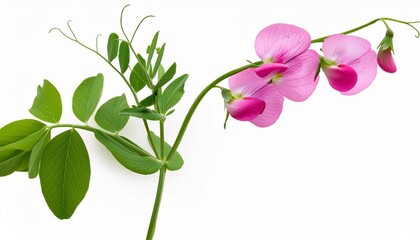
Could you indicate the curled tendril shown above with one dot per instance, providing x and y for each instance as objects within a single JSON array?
[
  {"x": 61, "y": 31},
  {"x": 406, "y": 23},
  {"x": 418, "y": 32},
  {"x": 97, "y": 37},
  {"x": 138, "y": 25},
  {"x": 121, "y": 20},
  {"x": 71, "y": 30}
]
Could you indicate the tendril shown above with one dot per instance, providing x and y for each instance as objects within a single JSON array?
[
  {"x": 97, "y": 37},
  {"x": 121, "y": 20},
  {"x": 138, "y": 25},
  {"x": 65, "y": 35},
  {"x": 71, "y": 30}
]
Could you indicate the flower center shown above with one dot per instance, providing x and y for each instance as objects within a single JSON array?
[
  {"x": 269, "y": 60},
  {"x": 276, "y": 78}
]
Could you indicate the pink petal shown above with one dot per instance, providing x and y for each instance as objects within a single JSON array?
[
  {"x": 246, "y": 83},
  {"x": 281, "y": 42},
  {"x": 298, "y": 82},
  {"x": 270, "y": 69},
  {"x": 245, "y": 109},
  {"x": 366, "y": 67},
  {"x": 273, "y": 106},
  {"x": 343, "y": 49},
  {"x": 386, "y": 61},
  {"x": 342, "y": 77}
]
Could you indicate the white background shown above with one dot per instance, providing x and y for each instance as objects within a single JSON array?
[{"x": 333, "y": 167}]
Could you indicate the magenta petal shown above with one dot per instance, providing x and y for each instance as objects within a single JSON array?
[
  {"x": 281, "y": 42},
  {"x": 270, "y": 69},
  {"x": 298, "y": 82},
  {"x": 386, "y": 61},
  {"x": 245, "y": 109},
  {"x": 343, "y": 49},
  {"x": 273, "y": 106},
  {"x": 366, "y": 68},
  {"x": 342, "y": 77},
  {"x": 245, "y": 83}
]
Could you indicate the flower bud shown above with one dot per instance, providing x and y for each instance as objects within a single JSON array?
[{"x": 386, "y": 49}]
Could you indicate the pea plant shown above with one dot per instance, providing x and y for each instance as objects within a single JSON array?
[{"x": 286, "y": 69}]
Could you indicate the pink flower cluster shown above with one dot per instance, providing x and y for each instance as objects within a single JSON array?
[{"x": 290, "y": 70}]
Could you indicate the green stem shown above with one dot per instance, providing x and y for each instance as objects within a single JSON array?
[
  {"x": 148, "y": 80},
  {"x": 197, "y": 102},
  {"x": 153, "y": 219},
  {"x": 383, "y": 19},
  {"x": 162, "y": 139},
  {"x": 84, "y": 127}
]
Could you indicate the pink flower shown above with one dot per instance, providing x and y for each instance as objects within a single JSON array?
[
  {"x": 386, "y": 61},
  {"x": 349, "y": 63},
  {"x": 252, "y": 99},
  {"x": 288, "y": 62}
]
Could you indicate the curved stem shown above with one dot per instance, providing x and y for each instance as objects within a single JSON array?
[
  {"x": 321, "y": 39},
  {"x": 153, "y": 219},
  {"x": 383, "y": 19},
  {"x": 197, "y": 102}
]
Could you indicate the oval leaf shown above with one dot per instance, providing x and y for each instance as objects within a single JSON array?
[
  {"x": 173, "y": 164},
  {"x": 36, "y": 155},
  {"x": 113, "y": 42},
  {"x": 108, "y": 116},
  {"x": 47, "y": 103},
  {"x": 148, "y": 101},
  {"x": 144, "y": 113},
  {"x": 138, "y": 77},
  {"x": 65, "y": 173},
  {"x": 87, "y": 96},
  {"x": 166, "y": 77},
  {"x": 128, "y": 157},
  {"x": 21, "y": 134},
  {"x": 124, "y": 56},
  {"x": 10, "y": 160},
  {"x": 172, "y": 94},
  {"x": 24, "y": 164}
]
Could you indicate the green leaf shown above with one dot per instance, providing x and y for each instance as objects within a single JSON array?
[
  {"x": 133, "y": 160},
  {"x": 21, "y": 134},
  {"x": 113, "y": 42},
  {"x": 161, "y": 72},
  {"x": 10, "y": 160},
  {"x": 141, "y": 60},
  {"x": 47, "y": 103},
  {"x": 151, "y": 48},
  {"x": 24, "y": 164},
  {"x": 65, "y": 173},
  {"x": 108, "y": 115},
  {"x": 172, "y": 94},
  {"x": 87, "y": 96},
  {"x": 166, "y": 77},
  {"x": 148, "y": 101},
  {"x": 227, "y": 95},
  {"x": 36, "y": 155},
  {"x": 138, "y": 77},
  {"x": 158, "y": 61},
  {"x": 124, "y": 56},
  {"x": 176, "y": 162},
  {"x": 145, "y": 113},
  {"x": 170, "y": 112}
]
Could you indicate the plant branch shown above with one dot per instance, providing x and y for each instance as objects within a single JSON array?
[{"x": 197, "y": 101}]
